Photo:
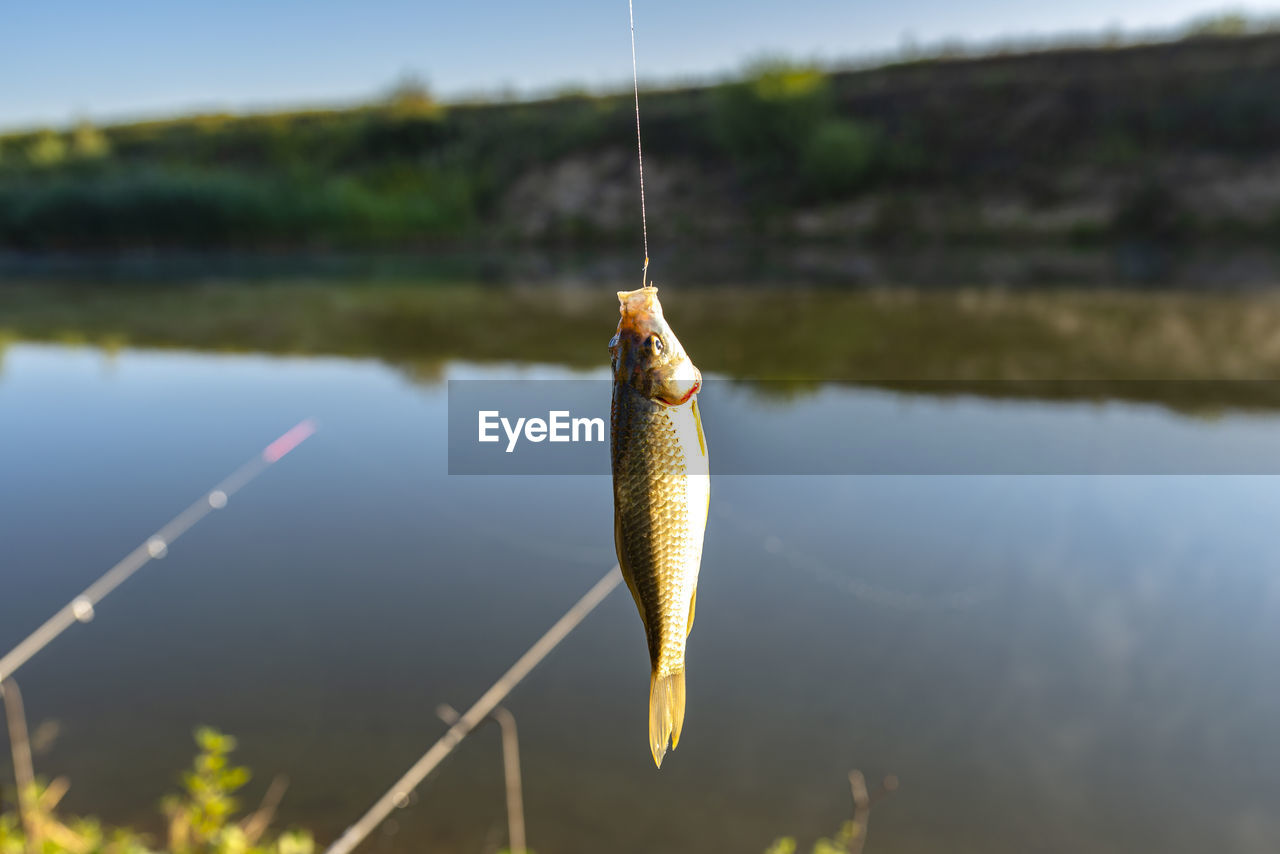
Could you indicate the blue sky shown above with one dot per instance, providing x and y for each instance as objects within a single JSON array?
[{"x": 66, "y": 59}]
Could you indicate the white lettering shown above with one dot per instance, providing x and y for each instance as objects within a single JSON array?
[
  {"x": 559, "y": 425},
  {"x": 487, "y": 423},
  {"x": 512, "y": 435},
  {"x": 586, "y": 424},
  {"x": 535, "y": 430}
]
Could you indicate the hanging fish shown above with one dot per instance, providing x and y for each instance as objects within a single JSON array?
[{"x": 661, "y": 490}]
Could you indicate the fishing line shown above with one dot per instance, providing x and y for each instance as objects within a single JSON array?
[{"x": 635, "y": 83}]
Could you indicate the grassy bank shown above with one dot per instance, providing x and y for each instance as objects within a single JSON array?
[{"x": 1156, "y": 142}]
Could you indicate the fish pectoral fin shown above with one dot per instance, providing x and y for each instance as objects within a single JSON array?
[
  {"x": 697, "y": 419},
  {"x": 693, "y": 606},
  {"x": 666, "y": 713}
]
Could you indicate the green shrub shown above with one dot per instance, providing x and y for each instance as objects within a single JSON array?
[
  {"x": 766, "y": 120},
  {"x": 839, "y": 159},
  {"x": 88, "y": 142},
  {"x": 108, "y": 210},
  {"x": 841, "y": 843},
  {"x": 46, "y": 149},
  {"x": 1220, "y": 25},
  {"x": 201, "y": 820}
]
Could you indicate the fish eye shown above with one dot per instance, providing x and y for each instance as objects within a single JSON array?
[{"x": 655, "y": 345}]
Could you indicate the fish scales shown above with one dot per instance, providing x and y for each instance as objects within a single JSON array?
[
  {"x": 653, "y": 513},
  {"x": 661, "y": 493}
]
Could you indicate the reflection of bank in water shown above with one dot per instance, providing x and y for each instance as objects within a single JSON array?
[
  {"x": 760, "y": 264},
  {"x": 877, "y": 336}
]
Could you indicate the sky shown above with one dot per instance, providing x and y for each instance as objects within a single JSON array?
[{"x": 68, "y": 60}]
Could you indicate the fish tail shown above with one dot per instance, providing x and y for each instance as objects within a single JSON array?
[{"x": 666, "y": 712}]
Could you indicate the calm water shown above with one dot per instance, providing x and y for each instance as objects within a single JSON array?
[{"x": 1048, "y": 663}]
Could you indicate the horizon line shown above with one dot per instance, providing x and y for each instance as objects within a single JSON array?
[{"x": 945, "y": 49}]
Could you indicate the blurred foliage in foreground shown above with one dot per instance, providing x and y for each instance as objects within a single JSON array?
[
  {"x": 841, "y": 843},
  {"x": 1147, "y": 141},
  {"x": 201, "y": 820}
]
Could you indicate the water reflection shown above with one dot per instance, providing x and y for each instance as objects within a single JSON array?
[
  {"x": 1086, "y": 660},
  {"x": 1068, "y": 345}
]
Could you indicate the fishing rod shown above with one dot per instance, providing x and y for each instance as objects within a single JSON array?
[
  {"x": 81, "y": 608},
  {"x": 398, "y": 794}
]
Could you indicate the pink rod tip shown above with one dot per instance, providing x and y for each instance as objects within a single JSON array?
[{"x": 290, "y": 440}]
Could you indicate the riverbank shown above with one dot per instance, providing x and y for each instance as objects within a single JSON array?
[{"x": 1168, "y": 143}]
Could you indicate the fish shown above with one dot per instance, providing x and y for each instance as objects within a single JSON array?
[{"x": 661, "y": 495}]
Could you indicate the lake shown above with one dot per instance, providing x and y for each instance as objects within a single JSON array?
[{"x": 1063, "y": 656}]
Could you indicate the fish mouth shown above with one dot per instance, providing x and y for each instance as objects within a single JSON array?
[
  {"x": 693, "y": 389},
  {"x": 687, "y": 396},
  {"x": 637, "y": 304}
]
